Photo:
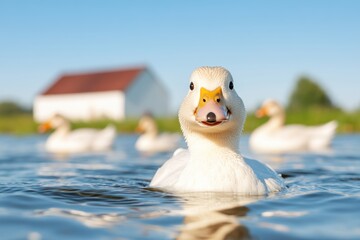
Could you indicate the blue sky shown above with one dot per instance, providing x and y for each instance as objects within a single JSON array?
[{"x": 266, "y": 45}]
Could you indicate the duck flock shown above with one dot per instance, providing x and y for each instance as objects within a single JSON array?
[{"x": 211, "y": 116}]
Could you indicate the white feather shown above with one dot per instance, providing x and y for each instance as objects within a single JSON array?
[
  {"x": 64, "y": 141},
  {"x": 213, "y": 162},
  {"x": 276, "y": 137}
]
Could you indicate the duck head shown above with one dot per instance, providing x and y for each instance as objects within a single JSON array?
[
  {"x": 147, "y": 125},
  {"x": 212, "y": 106},
  {"x": 54, "y": 122},
  {"x": 269, "y": 108}
]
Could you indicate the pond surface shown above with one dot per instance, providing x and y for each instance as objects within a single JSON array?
[{"x": 106, "y": 196}]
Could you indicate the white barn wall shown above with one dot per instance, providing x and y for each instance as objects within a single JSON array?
[
  {"x": 146, "y": 94},
  {"x": 81, "y": 106}
]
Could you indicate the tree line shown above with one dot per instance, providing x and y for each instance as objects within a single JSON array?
[
  {"x": 308, "y": 94},
  {"x": 8, "y": 108}
]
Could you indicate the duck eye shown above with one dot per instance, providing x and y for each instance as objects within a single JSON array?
[
  {"x": 191, "y": 86},
  {"x": 231, "y": 85}
]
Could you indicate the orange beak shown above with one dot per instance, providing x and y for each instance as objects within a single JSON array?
[
  {"x": 139, "y": 129},
  {"x": 211, "y": 108},
  {"x": 46, "y": 126},
  {"x": 261, "y": 112}
]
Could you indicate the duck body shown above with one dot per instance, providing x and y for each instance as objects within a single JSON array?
[
  {"x": 65, "y": 141},
  {"x": 226, "y": 173},
  {"x": 81, "y": 140},
  {"x": 164, "y": 142},
  {"x": 151, "y": 140},
  {"x": 212, "y": 162},
  {"x": 275, "y": 137}
]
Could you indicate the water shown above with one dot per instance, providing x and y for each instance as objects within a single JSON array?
[{"x": 106, "y": 196}]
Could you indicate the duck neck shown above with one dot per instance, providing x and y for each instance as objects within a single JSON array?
[
  {"x": 276, "y": 121},
  {"x": 153, "y": 132},
  {"x": 151, "y": 129},
  {"x": 62, "y": 130},
  {"x": 212, "y": 145}
]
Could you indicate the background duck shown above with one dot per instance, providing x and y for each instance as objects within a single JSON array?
[
  {"x": 276, "y": 137},
  {"x": 151, "y": 141},
  {"x": 212, "y": 116},
  {"x": 63, "y": 140}
]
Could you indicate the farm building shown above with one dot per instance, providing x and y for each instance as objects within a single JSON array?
[{"x": 115, "y": 95}]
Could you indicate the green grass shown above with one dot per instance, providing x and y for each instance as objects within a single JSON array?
[
  {"x": 24, "y": 124},
  {"x": 19, "y": 124},
  {"x": 348, "y": 122},
  {"x": 129, "y": 125}
]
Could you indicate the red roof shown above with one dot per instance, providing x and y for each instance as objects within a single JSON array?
[{"x": 94, "y": 82}]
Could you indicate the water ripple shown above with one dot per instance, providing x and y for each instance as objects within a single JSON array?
[{"x": 106, "y": 196}]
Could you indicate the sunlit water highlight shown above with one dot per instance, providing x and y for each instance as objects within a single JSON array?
[{"x": 106, "y": 196}]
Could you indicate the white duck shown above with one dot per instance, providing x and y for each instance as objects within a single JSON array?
[
  {"x": 151, "y": 141},
  {"x": 212, "y": 116},
  {"x": 64, "y": 141},
  {"x": 275, "y": 137}
]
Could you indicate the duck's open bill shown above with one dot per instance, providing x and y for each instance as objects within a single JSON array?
[{"x": 211, "y": 108}]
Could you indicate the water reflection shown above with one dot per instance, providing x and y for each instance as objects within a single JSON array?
[
  {"x": 206, "y": 216},
  {"x": 88, "y": 219},
  {"x": 214, "y": 216},
  {"x": 105, "y": 196},
  {"x": 215, "y": 225}
]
